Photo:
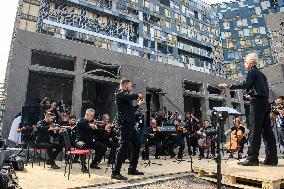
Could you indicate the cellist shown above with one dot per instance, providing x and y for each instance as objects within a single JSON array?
[{"x": 237, "y": 139}]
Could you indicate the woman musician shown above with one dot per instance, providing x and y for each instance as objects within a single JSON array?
[{"x": 237, "y": 140}]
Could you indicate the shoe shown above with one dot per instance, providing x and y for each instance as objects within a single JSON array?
[
  {"x": 200, "y": 157},
  {"x": 76, "y": 161},
  {"x": 231, "y": 155},
  {"x": 94, "y": 166},
  {"x": 54, "y": 166},
  {"x": 249, "y": 163},
  {"x": 157, "y": 157},
  {"x": 179, "y": 157},
  {"x": 270, "y": 163},
  {"x": 110, "y": 161},
  {"x": 173, "y": 155},
  {"x": 134, "y": 172},
  {"x": 48, "y": 162},
  {"x": 118, "y": 177},
  {"x": 84, "y": 169}
]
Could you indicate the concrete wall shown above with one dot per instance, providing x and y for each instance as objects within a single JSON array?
[
  {"x": 143, "y": 72},
  {"x": 275, "y": 77}
]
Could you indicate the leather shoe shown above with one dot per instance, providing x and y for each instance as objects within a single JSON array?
[
  {"x": 134, "y": 172},
  {"x": 270, "y": 163},
  {"x": 94, "y": 166},
  {"x": 249, "y": 163},
  {"x": 118, "y": 177},
  {"x": 54, "y": 166},
  {"x": 48, "y": 162}
]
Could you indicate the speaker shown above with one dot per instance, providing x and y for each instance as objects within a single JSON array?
[{"x": 30, "y": 115}]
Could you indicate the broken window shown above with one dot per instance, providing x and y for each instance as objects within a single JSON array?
[
  {"x": 51, "y": 60},
  {"x": 102, "y": 69}
]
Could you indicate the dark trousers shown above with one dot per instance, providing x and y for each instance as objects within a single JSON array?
[
  {"x": 100, "y": 150},
  {"x": 152, "y": 141},
  {"x": 191, "y": 142},
  {"x": 242, "y": 145},
  {"x": 53, "y": 150},
  {"x": 128, "y": 135},
  {"x": 177, "y": 140},
  {"x": 111, "y": 143},
  {"x": 281, "y": 136},
  {"x": 261, "y": 126},
  {"x": 212, "y": 148}
]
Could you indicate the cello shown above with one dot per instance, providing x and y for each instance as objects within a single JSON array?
[{"x": 233, "y": 145}]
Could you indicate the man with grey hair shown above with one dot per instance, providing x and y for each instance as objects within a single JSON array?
[
  {"x": 86, "y": 130},
  {"x": 256, "y": 88}
]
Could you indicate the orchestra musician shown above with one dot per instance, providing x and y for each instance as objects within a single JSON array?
[
  {"x": 45, "y": 129},
  {"x": 256, "y": 87},
  {"x": 85, "y": 138},
  {"x": 207, "y": 140},
  {"x": 177, "y": 140},
  {"x": 108, "y": 136},
  {"x": 72, "y": 131},
  {"x": 126, "y": 121},
  {"x": 153, "y": 138},
  {"x": 238, "y": 136},
  {"x": 277, "y": 112},
  {"x": 191, "y": 124}
]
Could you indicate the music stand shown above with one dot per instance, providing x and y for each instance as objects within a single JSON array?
[{"x": 219, "y": 115}]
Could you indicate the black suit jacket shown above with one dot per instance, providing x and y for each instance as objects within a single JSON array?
[
  {"x": 126, "y": 111},
  {"x": 255, "y": 84}
]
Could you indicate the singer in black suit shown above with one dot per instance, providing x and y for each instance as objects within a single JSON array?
[{"x": 126, "y": 121}]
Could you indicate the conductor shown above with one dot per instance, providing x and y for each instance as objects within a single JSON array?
[{"x": 256, "y": 88}]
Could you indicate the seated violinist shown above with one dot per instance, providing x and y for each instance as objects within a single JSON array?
[
  {"x": 237, "y": 135},
  {"x": 108, "y": 136},
  {"x": 45, "y": 129},
  {"x": 71, "y": 127},
  {"x": 85, "y": 138},
  {"x": 153, "y": 138},
  {"x": 177, "y": 139}
]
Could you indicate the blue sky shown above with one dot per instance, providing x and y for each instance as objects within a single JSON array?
[{"x": 7, "y": 17}]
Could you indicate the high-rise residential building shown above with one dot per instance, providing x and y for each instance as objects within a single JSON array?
[
  {"x": 77, "y": 51},
  {"x": 182, "y": 33},
  {"x": 243, "y": 31},
  {"x": 275, "y": 26}
]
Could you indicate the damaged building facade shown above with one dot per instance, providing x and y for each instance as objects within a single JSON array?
[{"x": 77, "y": 52}]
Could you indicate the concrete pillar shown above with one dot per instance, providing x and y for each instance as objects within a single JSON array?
[
  {"x": 17, "y": 88},
  {"x": 78, "y": 87},
  {"x": 205, "y": 102}
]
